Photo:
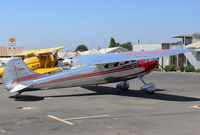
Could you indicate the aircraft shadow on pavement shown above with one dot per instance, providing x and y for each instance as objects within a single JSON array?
[
  {"x": 137, "y": 93},
  {"x": 27, "y": 98},
  {"x": 104, "y": 90}
]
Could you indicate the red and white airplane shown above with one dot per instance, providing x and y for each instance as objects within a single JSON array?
[{"x": 92, "y": 70}]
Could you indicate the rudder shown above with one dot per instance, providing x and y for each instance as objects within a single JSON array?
[{"x": 17, "y": 72}]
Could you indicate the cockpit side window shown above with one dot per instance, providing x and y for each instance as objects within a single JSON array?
[
  {"x": 111, "y": 65},
  {"x": 106, "y": 66},
  {"x": 134, "y": 61},
  {"x": 126, "y": 62},
  {"x": 116, "y": 64}
]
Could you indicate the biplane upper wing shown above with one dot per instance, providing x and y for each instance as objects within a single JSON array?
[
  {"x": 28, "y": 52},
  {"x": 126, "y": 56},
  {"x": 40, "y": 51},
  {"x": 48, "y": 50}
]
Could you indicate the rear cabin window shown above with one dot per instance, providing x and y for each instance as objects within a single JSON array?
[
  {"x": 112, "y": 65},
  {"x": 126, "y": 62}
]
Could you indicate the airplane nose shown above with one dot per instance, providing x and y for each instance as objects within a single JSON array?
[{"x": 153, "y": 64}]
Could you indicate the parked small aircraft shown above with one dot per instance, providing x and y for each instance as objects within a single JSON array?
[
  {"x": 89, "y": 70},
  {"x": 40, "y": 60}
]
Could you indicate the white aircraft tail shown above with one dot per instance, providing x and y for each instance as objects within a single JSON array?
[{"x": 17, "y": 75}]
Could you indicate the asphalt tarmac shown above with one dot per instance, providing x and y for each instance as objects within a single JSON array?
[{"x": 104, "y": 110}]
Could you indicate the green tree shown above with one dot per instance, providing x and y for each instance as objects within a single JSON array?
[
  {"x": 127, "y": 46},
  {"x": 112, "y": 43},
  {"x": 81, "y": 48}
]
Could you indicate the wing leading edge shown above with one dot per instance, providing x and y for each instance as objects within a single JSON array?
[{"x": 126, "y": 56}]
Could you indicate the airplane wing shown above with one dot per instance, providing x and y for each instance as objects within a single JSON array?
[
  {"x": 40, "y": 51},
  {"x": 28, "y": 52},
  {"x": 45, "y": 70},
  {"x": 126, "y": 56},
  {"x": 48, "y": 50}
]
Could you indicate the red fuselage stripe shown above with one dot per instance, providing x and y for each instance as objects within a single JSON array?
[
  {"x": 34, "y": 76},
  {"x": 116, "y": 78},
  {"x": 29, "y": 77},
  {"x": 94, "y": 74},
  {"x": 128, "y": 67}
]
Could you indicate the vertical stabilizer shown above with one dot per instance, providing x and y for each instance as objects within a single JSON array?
[{"x": 16, "y": 72}]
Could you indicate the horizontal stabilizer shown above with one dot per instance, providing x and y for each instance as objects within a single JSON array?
[{"x": 18, "y": 88}]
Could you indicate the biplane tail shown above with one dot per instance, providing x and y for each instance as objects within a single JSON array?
[{"x": 18, "y": 76}]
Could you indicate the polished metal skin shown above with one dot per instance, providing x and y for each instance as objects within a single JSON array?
[
  {"x": 90, "y": 75},
  {"x": 106, "y": 69},
  {"x": 86, "y": 75}
]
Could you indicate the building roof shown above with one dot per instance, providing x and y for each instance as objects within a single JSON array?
[
  {"x": 196, "y": 35},
  {"x": 66, "y": 54},
  {"x": 147, "y": 47},
  {"x": 194, "y": 45},
  {"x": 6, "y": 50},
  {"x": 93, "y": 51},
  {"x": 61, "y": 54},
  {"x": 107, "y": 50},
  {"x": 3, "y": 59}
]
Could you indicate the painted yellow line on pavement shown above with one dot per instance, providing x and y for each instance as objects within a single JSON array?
[
  {"x": 87, "y": 117},
  {"x": 61, "y": 120}
]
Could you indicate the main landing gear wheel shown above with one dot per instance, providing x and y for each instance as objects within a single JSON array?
[
  {"x": 17, "y": 95},
  {"x": 123, "y": 85},
  {"x": 149, "y": 88}
]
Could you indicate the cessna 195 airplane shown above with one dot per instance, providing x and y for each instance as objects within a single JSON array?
[
  {"x": 40, "y": 60},
  {"x": 93, "y": 69}
]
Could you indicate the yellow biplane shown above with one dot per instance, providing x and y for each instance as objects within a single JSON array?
[{"x": 41, "y": 60}]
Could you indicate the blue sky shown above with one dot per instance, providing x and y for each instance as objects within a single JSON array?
[{"x": 50, "y": 23}]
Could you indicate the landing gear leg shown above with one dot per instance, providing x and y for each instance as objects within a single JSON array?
[
  {"x": 147, "y": 87},
  {"x": 17, "y": 95},
  {"x": 123, "y": 85}
]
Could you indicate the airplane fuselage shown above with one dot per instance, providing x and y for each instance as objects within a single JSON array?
[{"x": 97, "y": 74}]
